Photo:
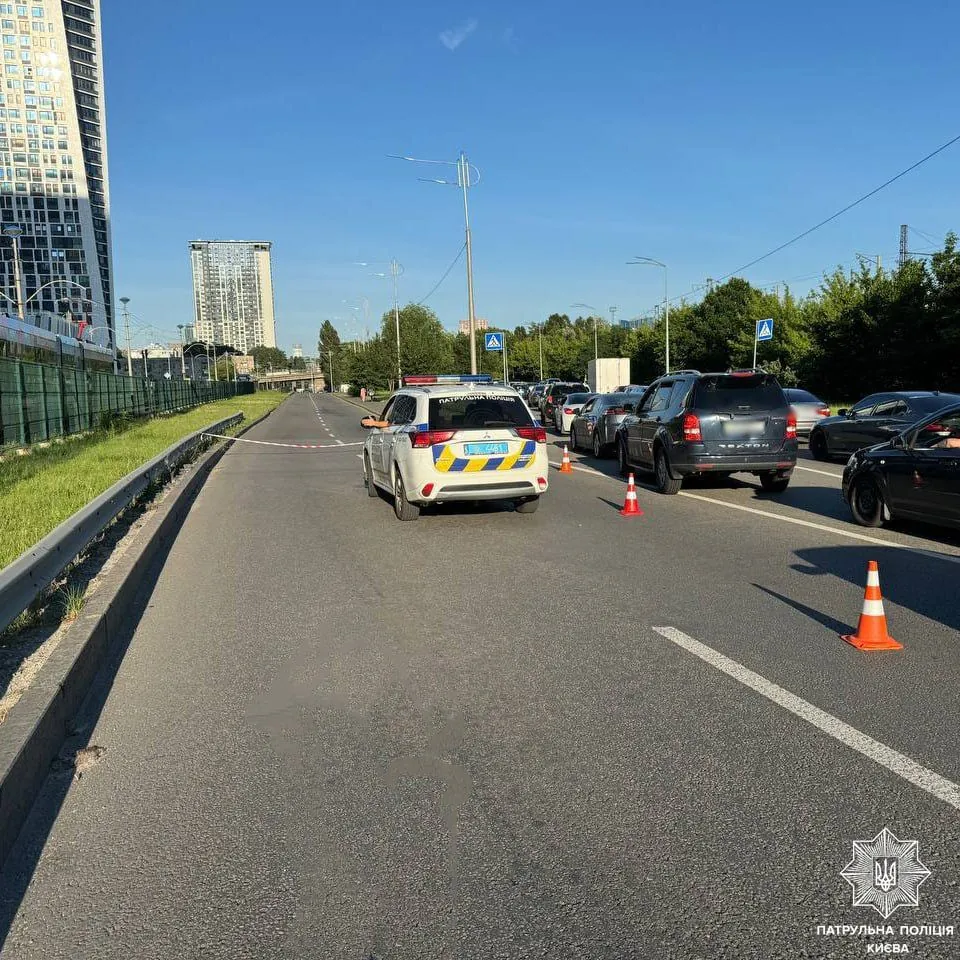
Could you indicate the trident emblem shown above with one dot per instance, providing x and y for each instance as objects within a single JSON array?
[{"x": 885, "y": 873}]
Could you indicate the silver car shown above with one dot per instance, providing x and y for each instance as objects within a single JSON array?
[
  {"x": 808, "y": 409},
  {"x": 595, "y": 426}
]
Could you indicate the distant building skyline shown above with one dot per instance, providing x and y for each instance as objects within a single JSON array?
[{"x": 233, "y": 293}]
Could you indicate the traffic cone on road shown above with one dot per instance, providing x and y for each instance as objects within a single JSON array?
[
  {"x": 565, "y": 465},
  {"x": 630, "y": 506},
  {"x": 872, "y": 630}
]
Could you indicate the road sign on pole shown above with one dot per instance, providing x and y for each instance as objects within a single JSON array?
[
  {"x": 493, "y": 342},
  {"x": 762, "y": 332}
]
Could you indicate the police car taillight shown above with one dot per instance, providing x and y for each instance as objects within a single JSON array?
[
  {"x": 427, "y": 438},
  {"x": 532, "y": 433},
  {"x": 691, "y": 429}
]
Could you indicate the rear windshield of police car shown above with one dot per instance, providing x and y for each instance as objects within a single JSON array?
[
  {"x": 726, "y": 394},
  {"x": 478, "y": 411}
]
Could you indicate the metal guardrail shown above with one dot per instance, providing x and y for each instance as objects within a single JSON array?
[{"x": 33, "y": 571}]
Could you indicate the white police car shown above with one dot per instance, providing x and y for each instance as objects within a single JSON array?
[{"x": 441, "y": 439}]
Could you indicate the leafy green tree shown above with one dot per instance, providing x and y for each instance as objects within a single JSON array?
[{"x": 272, "y": 357}]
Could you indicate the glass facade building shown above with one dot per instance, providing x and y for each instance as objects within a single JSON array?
[{"x": 53, "y": 166}]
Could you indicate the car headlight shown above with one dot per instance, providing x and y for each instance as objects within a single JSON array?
[{"x": 852, "y": 460}]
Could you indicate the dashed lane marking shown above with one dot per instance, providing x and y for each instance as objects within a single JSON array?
[{"x": 894, "y": 761}]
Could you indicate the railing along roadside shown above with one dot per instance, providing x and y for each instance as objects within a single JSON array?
[{"x": 24, "y": 580}]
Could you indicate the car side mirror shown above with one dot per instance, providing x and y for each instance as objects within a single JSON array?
[{"x": 843, "y": 412}]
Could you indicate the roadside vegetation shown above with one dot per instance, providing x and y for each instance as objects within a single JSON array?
[
  {"x": 42, "y": 488},
  {"x": 861, "y": 331}
]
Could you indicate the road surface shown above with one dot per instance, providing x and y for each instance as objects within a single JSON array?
[{"x": 334, "y": 735}]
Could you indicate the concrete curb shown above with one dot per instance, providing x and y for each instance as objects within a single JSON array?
[{"x": 34, "y": 731}]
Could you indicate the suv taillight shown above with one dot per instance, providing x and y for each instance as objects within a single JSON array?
[
  {"x": 427, "y": 438},
  {"x": 691, "y": 428},
  {"x": 791, "y": 433},
  {"x": 532, "y": 433},
  {"x": 569, "y": 411},
  {"x": 615, "y": 411},
  {"x": 823, "y": 411}
]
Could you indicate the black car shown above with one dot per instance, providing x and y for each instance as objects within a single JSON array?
[
  {"x": 873, "y": 420},
  {"x": 690, "y": 423},
  {"x": 915, "y": 475},
  {"x": 553, "y": 397}
]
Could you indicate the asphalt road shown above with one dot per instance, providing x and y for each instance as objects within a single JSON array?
[{"x": 492, "y": 735}]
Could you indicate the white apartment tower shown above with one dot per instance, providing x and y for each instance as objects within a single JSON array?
[
  {"x": 54, "y": 196},
  {"x": 233, "y": 293}
]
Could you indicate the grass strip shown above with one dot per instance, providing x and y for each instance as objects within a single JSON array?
[{"x": 43, "y": 488}]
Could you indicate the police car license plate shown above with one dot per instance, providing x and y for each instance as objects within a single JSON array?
[
  {"x": 741, "y": 429},
  {"x": 485, "y": 449}
]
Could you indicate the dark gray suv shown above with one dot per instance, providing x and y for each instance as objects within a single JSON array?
[{"x": 691, "y": 424}]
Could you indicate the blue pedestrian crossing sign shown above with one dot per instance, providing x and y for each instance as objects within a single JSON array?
[
  {"x": 493, "y": 342},
  {"x": 764, "y": 330}
]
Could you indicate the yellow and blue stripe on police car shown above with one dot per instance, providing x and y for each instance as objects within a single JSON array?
[{"x": 446, "y": 461}]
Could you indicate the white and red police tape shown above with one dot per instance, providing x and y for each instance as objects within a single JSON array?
[{"x": 296, "y": 446}]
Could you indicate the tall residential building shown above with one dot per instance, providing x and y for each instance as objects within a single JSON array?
[
  {"x": 233, "y": 293},
  {"x": 54, "y": 196},
  {"x": 478, "y": 322}
]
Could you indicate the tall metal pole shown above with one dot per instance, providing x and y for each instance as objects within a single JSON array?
[
  {"x": 596, "y": 348},
  {"x": 183, "y": 351},
  {"x": 14, "y": 233},
  {"x": 666, "y": 313},
  {"x": 126, "y": 333},
  {"x": 463, "y": 173},
  {"x": 395, "y": 273}
]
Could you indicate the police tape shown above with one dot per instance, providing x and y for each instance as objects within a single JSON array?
[{"x": 296, "y": 446}]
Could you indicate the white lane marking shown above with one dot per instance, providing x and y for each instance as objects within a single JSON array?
[
  {"x": 838, "y": 531},
  {"x": 342, "y": 444},
  {"x": 898, "y": 763},
  {"x": 823, "y": 473}
]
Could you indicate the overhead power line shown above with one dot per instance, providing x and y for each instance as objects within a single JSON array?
[
  {"x": 841, "y": 212},
  {"x": 832, "y": 217},
  {"x": 446, "y": 274}
]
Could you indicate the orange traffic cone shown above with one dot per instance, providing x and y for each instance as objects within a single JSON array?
[
  {"x": 630, "y": 506},
  {"x": 872, "y": 630},
  {"x": 565, "y": 465}
]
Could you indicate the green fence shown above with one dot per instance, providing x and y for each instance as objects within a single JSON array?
[{"x": 39, "y": 401}]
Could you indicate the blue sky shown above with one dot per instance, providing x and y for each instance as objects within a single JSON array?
[{"x": 701, "y": 134}]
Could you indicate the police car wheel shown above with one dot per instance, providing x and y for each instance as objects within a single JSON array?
[
  {"x": 368, "y": 477},
  {"x": 401, "y": 506},
  {"x": 527, "y": 506}
]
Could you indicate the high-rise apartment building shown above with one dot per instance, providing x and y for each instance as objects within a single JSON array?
[
  {"x": 233, "y": 293},
  {"x": 54, "y": 196},
  {"x": 478, "y": 322}
]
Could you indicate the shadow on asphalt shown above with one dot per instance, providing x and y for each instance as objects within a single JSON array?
[
  {"x": 18, "y": 870},
  {"x": 922, "y": 582},
  {"x": 835, "y": 626}
]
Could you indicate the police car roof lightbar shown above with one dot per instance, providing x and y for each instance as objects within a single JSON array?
[{"x": 428, "y": 378}]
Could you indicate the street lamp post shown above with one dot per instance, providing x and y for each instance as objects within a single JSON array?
[
  {"x": 465, "y": 180},
  {"x": 594, "y": 312},
  {"x": 650, "y": 262},
  {"x": 183, "y": 346},
  {"x": 126, "y": 331},
  {"x": 15, "y": 232},
  {"x": 396, "y": 271}
]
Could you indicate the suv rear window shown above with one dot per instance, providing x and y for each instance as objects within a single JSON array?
[
  {"x": 562, "y": 389},
  {"x": 478, "y": 411},
  {"x": 728, "y": 394}
]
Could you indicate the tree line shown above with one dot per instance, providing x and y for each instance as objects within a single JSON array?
[{"x": 861, "y": 331}]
